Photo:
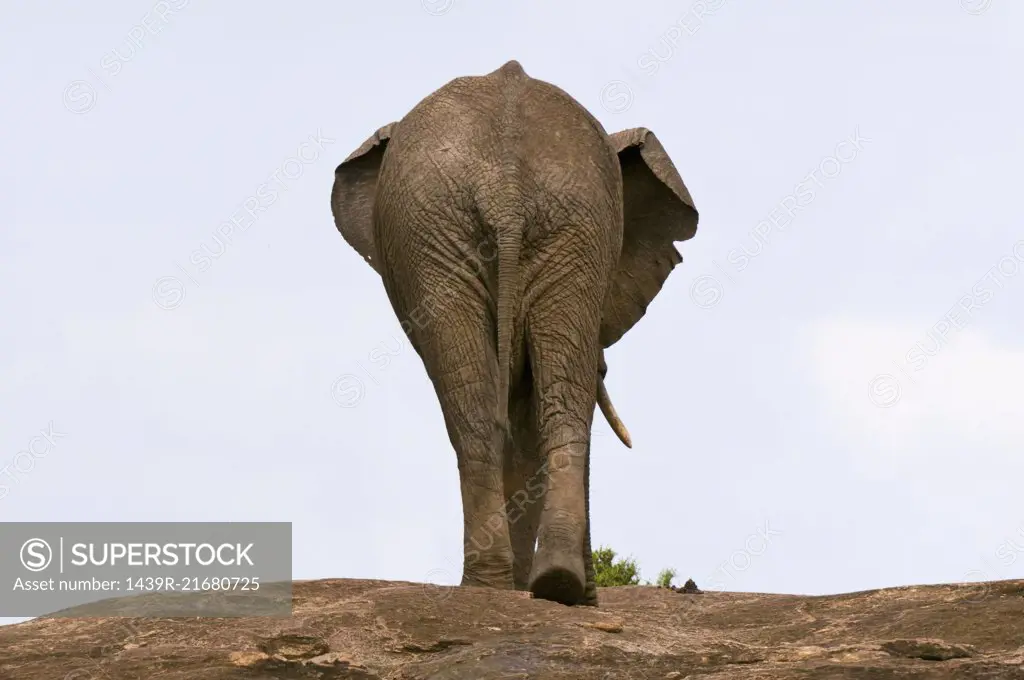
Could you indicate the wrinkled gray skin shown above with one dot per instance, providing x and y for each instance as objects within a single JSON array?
[{"x": 516, "y": 240}]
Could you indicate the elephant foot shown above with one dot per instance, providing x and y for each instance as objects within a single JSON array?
[
  {"x": 559, "y": 576},
  {"x": 589, "y": 595},
  {"x": 498, "y": 583},
  {"x": 489, "y": 570}
]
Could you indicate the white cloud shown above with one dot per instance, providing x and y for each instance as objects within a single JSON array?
[{"x": 906, "y": 398}]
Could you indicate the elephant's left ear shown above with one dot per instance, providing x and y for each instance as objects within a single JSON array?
[
  {"x": 355, "y": 184},
  {"x": 657, "y": 210}
]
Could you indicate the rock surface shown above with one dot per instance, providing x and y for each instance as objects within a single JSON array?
[{"x": 376, "y": 630}]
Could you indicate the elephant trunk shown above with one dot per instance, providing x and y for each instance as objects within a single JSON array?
[{"x": 605, "y": 402}]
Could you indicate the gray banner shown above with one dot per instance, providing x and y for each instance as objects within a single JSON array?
[{"x": 158, "y": 569}]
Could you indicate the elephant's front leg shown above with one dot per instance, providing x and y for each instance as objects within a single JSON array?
[{"x": 525, "y": 482}]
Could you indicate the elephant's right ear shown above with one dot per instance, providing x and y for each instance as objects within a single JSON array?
[
  {"x": 355, "y": 184},
  {"x": 657, "y": 210}
]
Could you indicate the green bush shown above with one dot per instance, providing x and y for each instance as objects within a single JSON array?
[
  {"x": 665, "y": 578},
  {"x": 609, "y": 572}
]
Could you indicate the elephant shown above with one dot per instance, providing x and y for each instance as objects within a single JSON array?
[{"x": 516, "y": 240}]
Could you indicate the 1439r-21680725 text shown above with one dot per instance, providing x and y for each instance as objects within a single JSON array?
[{"x": 192, "y": 583}]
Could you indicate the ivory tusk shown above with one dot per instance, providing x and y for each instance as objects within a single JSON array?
[{"x": 605, "y": 402}]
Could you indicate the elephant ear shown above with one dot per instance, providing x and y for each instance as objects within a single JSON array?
[
  {"x": 355, "y": 185},
  {"x": 657, "y": 210}
]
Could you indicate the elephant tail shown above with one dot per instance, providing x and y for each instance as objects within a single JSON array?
[{"x": 509, "y": 233}]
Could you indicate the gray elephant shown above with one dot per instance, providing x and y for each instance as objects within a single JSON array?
[{"x": 516, "y": 240}]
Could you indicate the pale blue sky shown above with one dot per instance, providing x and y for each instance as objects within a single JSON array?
[{"x": 751, "y": 396}]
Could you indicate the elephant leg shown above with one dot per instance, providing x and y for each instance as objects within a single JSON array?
[
  {"x": 590, "y": 591},
  {"x": 524, "y": 485},
  {"x": 562, "y": 338},
  {"x": 459, "y": 355}
]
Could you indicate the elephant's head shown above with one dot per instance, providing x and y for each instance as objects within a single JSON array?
[{"x": 657, "y": 211}]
